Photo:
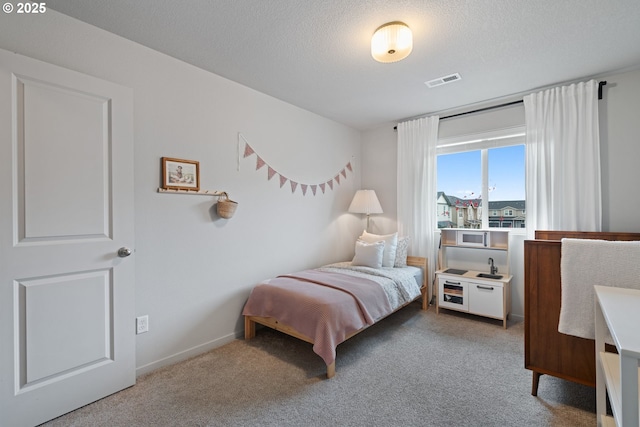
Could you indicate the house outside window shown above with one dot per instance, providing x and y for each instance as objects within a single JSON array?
[
  {"x": 509, "y": 215},
  {"x": 481, "y": 177}
]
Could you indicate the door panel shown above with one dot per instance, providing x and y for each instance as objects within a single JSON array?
[
  {"x": 66, "y": 298},
  {"x": 59, "y": 343},
  {"x": 52, "y": 117}
]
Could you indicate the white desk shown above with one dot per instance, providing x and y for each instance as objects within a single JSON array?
[{"x": 618, "y": 312}]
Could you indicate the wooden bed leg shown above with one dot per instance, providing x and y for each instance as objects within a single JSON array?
[
  {"x": 249, "y": 328},
  {"x": 534, "y": 383},
  {"x": 331, "y": 370}
]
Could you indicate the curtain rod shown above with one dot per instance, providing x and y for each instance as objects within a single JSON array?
[{"x": 493, "y": 107}]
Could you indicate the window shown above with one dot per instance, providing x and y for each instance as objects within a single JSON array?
[{"x": 481, "y": 178}]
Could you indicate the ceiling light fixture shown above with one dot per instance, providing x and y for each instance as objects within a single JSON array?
[{"x": 391, "y": 42}]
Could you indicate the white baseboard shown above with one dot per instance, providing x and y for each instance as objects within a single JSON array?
[
  {"x": 186, "y": 354},
  {"x": 516, "y": 317}
]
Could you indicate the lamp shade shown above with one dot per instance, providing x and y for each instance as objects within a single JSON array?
[
  {"x": 391, "y": 42},
  {"x": 365, "y": 202}
]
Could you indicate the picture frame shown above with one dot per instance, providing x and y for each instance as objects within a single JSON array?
[{"x": 180, "y": 174}]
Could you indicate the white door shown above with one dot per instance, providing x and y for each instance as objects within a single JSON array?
[{"x": 67, "y": 334}]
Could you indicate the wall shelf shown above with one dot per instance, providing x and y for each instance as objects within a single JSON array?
[
  {"x": 199, "y": 192},
  {"x": 225, "y": 207}
]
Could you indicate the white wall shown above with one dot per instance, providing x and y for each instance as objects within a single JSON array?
[
  {"x": 620, "y": 149},
  {"x": 194, "y": 270},
  {"x": 379, "y": 157}
]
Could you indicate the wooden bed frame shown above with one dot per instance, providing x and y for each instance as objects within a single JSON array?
[
  {"x": 250, "y": 321},
  {"x": 547, "y": 351}
]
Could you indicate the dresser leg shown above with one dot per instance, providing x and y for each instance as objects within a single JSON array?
[{"x": 534, "y": 383}]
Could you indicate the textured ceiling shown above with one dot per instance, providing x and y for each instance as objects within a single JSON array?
[{"x": 316, "y": 54}]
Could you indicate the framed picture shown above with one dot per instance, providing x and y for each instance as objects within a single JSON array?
[{"x": 179, "y": 174}]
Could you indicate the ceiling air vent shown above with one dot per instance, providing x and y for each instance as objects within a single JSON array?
[{"x": 443, "y": 80}]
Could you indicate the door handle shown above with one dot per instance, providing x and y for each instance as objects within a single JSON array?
[{"x": 124, "y": 252}]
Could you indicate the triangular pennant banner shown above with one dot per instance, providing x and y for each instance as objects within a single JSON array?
[
  {"x": 260, "y": 162},
  {"x": 271, "y": 172}
]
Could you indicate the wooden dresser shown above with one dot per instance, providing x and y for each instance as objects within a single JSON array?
[{"x": 547, "y": 351}]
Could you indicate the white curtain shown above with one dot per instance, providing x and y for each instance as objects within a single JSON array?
[
  {"x": 563, "y": 186},
  {"x": 417, "y": 217}
]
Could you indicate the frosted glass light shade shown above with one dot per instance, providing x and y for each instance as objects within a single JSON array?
[
  {"x": 366, "y": 202},
  {"x": 391, "y": 42}
]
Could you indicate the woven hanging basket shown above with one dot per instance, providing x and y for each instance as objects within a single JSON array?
[{"x": 226, "y": 207}]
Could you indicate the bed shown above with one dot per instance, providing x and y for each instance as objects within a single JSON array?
[{"x": 328, "y": 305}]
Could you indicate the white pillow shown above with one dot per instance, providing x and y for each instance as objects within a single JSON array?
[
  {"x": 402, "y": 251},
  {"x": 368, "y": 254},
  {"x": 390, "y": 246}
]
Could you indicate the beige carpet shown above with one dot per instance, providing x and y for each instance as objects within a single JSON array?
[{"x": 414, "y": 368}]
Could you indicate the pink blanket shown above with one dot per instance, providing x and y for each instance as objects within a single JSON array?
[{"x": 324, "y": 306}]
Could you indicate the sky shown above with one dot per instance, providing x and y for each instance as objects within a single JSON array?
[{"x": 460, "y": 174}]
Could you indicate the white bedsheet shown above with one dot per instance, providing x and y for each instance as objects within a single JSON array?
[{"x": 400, "y": 284}]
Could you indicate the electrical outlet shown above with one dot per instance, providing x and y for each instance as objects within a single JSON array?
[{"x": 142, "y": 324}]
